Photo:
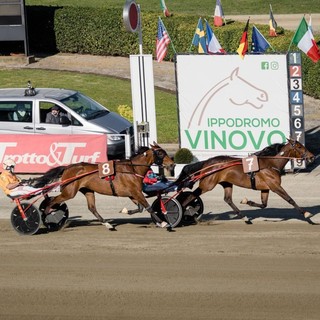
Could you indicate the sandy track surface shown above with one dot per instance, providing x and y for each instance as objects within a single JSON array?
[{"x": 219, "y": 269}]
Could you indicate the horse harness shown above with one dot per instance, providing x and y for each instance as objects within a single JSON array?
[
  {"x": 159, "y": 155},
  {"x": 252, "y": 176}
]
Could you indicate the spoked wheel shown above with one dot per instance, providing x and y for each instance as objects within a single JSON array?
[
  {"x": 172, "y": 206},
  {"x": 56, "y": 219},
  {"x": 29, "y": 224},
  {"x": 193, "y": 209}
]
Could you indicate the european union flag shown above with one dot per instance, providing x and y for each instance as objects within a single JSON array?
[{"x": 259, "y": 43}]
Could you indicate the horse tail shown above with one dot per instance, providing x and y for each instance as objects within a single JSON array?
[
  {"x": 50, "y": 176},
  {"x": 185, "y": 177}
]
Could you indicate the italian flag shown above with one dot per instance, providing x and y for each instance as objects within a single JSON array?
[{"x": 303, "y": 39}]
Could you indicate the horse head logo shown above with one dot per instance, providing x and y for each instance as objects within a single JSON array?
[{"x": 237, "y": 90}]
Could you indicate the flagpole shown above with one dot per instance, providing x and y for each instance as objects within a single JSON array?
[
  {"x": 294, "y": 35},
  {"x": 174, "y": 49},
  {"x": 194, "y": 35},
  {"x": 265, "y": 39}
]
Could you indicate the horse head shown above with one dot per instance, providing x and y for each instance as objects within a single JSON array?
[
  {"x": 160, "y": 157},
  {"x": 296, "y": 150},
  {"x": 249, "y": 94}
]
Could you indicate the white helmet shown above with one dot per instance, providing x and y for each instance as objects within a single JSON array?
[{"x": 8, "y": 164}]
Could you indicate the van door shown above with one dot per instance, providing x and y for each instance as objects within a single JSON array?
[
  {"x": 51, "y": 121},
  {"x": 16, "y": 117}
]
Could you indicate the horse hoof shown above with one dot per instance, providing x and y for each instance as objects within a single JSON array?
[
  {"x": 247, "y": 220},
  {"x": 112, "y": 229},
  {"x": 163, "y": 224},
  {"x": 124, "y": 210},
  {"x": 244, "y": 201},
  {"x": 308, "y": 215}
]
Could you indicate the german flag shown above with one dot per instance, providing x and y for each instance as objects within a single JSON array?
[{"x": 243, "y": 46}]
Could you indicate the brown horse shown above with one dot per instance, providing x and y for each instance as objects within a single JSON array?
[
  {"x": 228, "y": 171},
  {"x": 126, "y": 181}
]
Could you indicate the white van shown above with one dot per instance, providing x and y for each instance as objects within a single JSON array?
[{"x": 25, "y": 112}]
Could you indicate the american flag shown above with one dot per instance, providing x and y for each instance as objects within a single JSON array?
[{"x": 163, "y": 41}]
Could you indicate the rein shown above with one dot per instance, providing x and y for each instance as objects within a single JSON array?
[
  {"x": 197, "y": 175},
  {"x": 280, "y": 157}
]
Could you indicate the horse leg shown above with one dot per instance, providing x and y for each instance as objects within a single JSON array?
[
  {"x": 228, "y": 199},
  {"x": 139, "y": 198},
  {"x": 192, "y": 195},
  {"x": 130, "y": 212},
  {"x": 56, "y": 200},
  {"x": 264, "y": 200},
  {"x": 91, "y": 201},
  {"x": 284, "y": 195}
]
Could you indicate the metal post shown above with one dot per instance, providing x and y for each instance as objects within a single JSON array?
[
  {"x": 127, "y": 141},
  {"x": 140, "y": 29}
]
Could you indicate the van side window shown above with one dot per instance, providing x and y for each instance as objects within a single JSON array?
[
  {"x": 18, "y": 111},
  {"x": 47, "y": 115}
]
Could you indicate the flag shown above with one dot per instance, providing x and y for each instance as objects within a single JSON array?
[
  {"x": 199, "y": 39},
  {"x": 311, "y": 32},
  {"x": 164, "y": 9},
  {"x": 259, "y": 42},
  {"x": 218, "y": 14},
  {"x": 213, "y": 45},
  {"x": 243, "y": 46},
  {"x": 163, "y": 41},
  {"x": 303, "y": 39},
  {"x": 272, "y": 24}
]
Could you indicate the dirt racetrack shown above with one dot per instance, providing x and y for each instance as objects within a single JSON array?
[{"x": 219, "y": 269}]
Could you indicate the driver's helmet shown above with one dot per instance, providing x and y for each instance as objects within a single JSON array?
[{"x": 8, "y": 164}]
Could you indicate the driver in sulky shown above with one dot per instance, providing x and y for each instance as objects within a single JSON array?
[{"x": 11, "y": 184}]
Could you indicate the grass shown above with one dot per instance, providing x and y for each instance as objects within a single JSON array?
[
  {"x": 204, "y": 7},
  {"x": 110, "y": 92},
  {"x": 114, "y": 92}
]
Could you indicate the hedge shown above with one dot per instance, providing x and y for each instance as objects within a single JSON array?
[{"x": 101, "y": 32}]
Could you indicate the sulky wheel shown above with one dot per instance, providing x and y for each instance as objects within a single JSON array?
[
  {"x": 174, "y": 211},
  {"x": 193, "y": 209},
  {"x": 56, "y": 219},
  {"x": 26, "y": 222}
]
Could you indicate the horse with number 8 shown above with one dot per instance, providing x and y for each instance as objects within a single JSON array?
[
  {"x": 228, "y": 171},
  {"x": 122, "y": 178}
]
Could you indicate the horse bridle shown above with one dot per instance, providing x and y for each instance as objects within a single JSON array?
[
  {"x": 159, "y": 155},
  {"x": 302, "y": 156}
]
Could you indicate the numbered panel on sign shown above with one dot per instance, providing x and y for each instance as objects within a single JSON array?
[
  {"x": 295, "y": 71},
  {"x": 296, "y": 97},
  {"x": 296, "y": 84}
]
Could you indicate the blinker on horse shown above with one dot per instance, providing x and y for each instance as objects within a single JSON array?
[
  {"x": 228, "y": 171},
  {"x": 125, "y": 182}
]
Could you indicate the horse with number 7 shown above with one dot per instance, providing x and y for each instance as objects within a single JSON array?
[{"x": 228, "y": 171}]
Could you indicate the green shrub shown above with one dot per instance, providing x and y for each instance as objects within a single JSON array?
[
  {"x": 125, "y": 111},
  {"x": 88, "y": 30},
  {"x": 183, "y": 155}
]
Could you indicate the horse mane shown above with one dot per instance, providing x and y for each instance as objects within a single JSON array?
[
  {"x": 271, "y": 150},
  {"x": 50, "y": 176}
]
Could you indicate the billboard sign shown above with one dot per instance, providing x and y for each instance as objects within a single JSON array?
[
  {"x": 231, "y": 106},
  {"x": 39, "y": 153}
]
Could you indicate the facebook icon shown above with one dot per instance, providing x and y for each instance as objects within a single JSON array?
[{"x": 264, "y": 65}]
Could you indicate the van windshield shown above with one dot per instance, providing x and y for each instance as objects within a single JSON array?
[{"x": 86, "y": 107}]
